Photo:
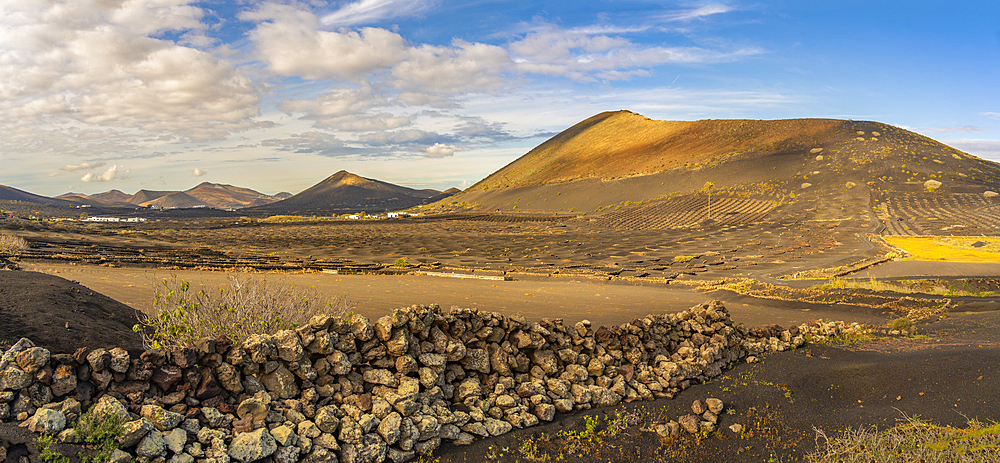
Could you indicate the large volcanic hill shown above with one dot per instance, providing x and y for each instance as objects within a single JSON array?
[{"x": 633, "y": 172}]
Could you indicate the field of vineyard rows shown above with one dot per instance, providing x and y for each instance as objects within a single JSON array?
[
  {"x": 940, "y": 214},
  {"x": 688, "y": 212}
]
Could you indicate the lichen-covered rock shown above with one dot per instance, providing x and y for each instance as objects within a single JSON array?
[
  {"x": 13, "y": 377},
  {"x": 286, "y": 455},
  {"x": 63, "y": 380},
  {"x": 98, "y": 359},
  {"x": 252, "y": 446},
  {"x": 110, "y": 406},
  {"x": 381, "y": 376},
  {"x": 468, "y": 388},
  {"x": 152, "y": 445},
  {"x": 162, "y": 420},
  {"x": 477, "y": 359},
  {"x": 340, "y": 363},
  {"x": 133, "y": 432},
  {"x": 175, "y": 440},
  {"x": 281, "y": 383},
  {"x": 714, "y": 405},
  {"x": 284, "y": 436},
  {"x": 119, "y": 360},
  {"x": 47, "y": 421},
  {"x": 289, "y": 345},
  {"x": 253, "y": 407},
  {"x": 32, "y": 359},
  {"x": 690, "y": 423},
  {"x": 370, "y": 449},
  {"x": 260, "y": 348},
  {"x": 497, "y": 427},
  {"x": 389, "y": 428},
  {"x": 326, "y": 419}
]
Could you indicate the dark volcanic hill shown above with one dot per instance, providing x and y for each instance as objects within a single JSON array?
[
  {"x": 13, "y": 194},
  {"x": 144, "y": 197},
  {"x": 206, "y": 194},
  {"x": 229, "y": 196},
  {"x": 817, "y": 169},
  {"x": 346, "y": 192},
  {"x": 111, "y": 196}
]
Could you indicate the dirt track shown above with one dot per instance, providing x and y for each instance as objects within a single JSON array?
[{"x": 556, "y": 297}]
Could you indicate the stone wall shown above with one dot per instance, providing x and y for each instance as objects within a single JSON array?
[{"x": 356, "y": 391}]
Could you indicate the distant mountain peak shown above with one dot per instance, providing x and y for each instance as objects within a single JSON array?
[{"x": 346, "y": 178}]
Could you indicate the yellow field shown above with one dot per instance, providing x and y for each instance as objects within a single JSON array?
[{"x": 949, "y": 249}]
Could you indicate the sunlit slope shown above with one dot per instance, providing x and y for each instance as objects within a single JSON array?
[{"x": 828, "y": 168}]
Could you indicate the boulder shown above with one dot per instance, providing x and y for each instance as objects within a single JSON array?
[
  {"x": 326, "y": 419},
  {"x": 119, "y": 360},
  {"x": 63, "y": 380},
  {"x": 110, "y": 406},
  {"x": 162, "y": 420},
  {"x": 133, "y": 432},
  {"x": 252, "y": 446},
  {"x": 47, "y": 421},
  {"x": 152, "y": 445},
  {"x": 477, "y": 359},
  {"x": 13, "y": 377},
  {"x": 289, "y": 345},
  {"x": 253, "y": 407},
  {"x": 714, "y": 405},
  {"x": 175, "y": 440},
  {"x": 32, "y": 359},
  {"x": 281, "y": 382}
]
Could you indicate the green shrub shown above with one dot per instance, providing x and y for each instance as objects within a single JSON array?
[
  {"x": 248, "y": 305},
  {"x": 97, "y": 433},
  {"x": 402, "y": 262},
  {"x": 901, "y": 324}
]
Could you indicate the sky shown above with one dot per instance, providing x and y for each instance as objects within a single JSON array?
[{"x": 278, "y": 95}]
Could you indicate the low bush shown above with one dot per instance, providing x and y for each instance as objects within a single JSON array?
[
  {"x": 97, "y": 433},
  {"x": 12, "y": 243},
  {"x": 248, "y": 305},
  {"x": 912, "y": 440}
]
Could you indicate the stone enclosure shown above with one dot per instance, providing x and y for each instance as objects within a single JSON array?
[{"x": 351, "y": 390}]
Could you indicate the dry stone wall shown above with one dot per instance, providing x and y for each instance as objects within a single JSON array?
[{"x": 351, "y": 390}]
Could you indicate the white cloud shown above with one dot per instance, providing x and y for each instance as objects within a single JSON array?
[
  {"x": 586, "y": 56},
  {"x": 400, "y": 137},
  {"x": 439, "y": 150},
  {"x": 107, "y": 176},
  {"x": 288, "y": 39},
  {"x": 83, "y": 166},
  {"x": 370, "y": 11},
  {"x": 989, "y": 149},
  {"x": 100, "y": 63},
  {"x": 463, "y": 67},
  {"x": 990, "y": 114},
  {"x": 198, "y": 172},
  {"x": 695, "y": 13},
  {"x": 962, "y": 129}
]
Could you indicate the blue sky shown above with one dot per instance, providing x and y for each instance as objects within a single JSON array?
[{"x": 277, "y": 95}]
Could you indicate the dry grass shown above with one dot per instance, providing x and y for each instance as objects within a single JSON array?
[
  {"x": 12, "y": 243},
  {"x": 249, "y": 305},
  {"x": 948, "y": 249},
  {"x": 912, "y": 440}
]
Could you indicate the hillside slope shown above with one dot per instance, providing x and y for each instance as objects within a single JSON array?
[
  {"x": 346, "y": 192},
  {"x": 817, "y": 168}
]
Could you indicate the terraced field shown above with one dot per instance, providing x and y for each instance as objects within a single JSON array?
[
  {"x": 939, "y": 214},
  {"x": 688, "y": 212}
]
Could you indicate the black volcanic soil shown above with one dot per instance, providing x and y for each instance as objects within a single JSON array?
[{"x": 62, "y": 315}]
